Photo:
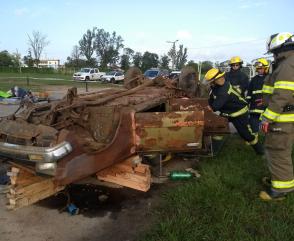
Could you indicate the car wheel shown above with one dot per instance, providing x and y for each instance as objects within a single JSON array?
[
  {"x": 188, "y": 81},
  {"x": 112, "y": 81},
  {"x": 87, "y": 78},
  {"x": 132, "y": 77}
]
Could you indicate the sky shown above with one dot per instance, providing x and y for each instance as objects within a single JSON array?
[{"x": 210, "y": 30}]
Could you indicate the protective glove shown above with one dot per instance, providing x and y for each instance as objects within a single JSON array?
[
  {"x": 264, "y": 126},
  {"x": 258, "y": 102}
]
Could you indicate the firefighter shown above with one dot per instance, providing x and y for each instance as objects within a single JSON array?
[
  {"x": 236, "y": 77},
  {"x": 225, "y": 98},
  {"x": 254, "y": 94},
  {"x": 278, "y": 118}
]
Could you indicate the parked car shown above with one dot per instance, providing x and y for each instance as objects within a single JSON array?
[
  {"x": 113, "y": 77},
  {"x": 87, "y": 74},
  {"x": 154, "y": 72},
  {"x": 174, "y": 74}
]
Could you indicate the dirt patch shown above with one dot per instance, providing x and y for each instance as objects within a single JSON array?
[{"x": 122, "y": 216}]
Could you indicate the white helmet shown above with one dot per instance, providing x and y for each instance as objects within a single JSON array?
[{"x": 279, "y": 40}]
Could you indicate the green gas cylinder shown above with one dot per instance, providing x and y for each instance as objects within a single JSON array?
[{"x": 180, "y": 175}]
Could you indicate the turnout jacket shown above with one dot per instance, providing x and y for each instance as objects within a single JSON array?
[
  {"x": 254, "y": 94},
  {"x": 238, "y": 80},
  {"x": 227, "y": 100},
  {"x": 280, "y": 88}
]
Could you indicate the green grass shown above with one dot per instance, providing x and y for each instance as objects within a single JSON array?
[
  {"x": 38, "y": 82},
  {"x": 223, "y": 204}
]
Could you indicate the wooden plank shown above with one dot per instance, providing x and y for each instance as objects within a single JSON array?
[
  {"x": 21, "y": 167},
  {"x": 128, "y": 174},
  {"x": 27, "y": 188}
]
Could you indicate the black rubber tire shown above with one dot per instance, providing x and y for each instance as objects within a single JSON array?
[
  {"x": 132, "y": 73},
  {"x": 188, "y": 80}
]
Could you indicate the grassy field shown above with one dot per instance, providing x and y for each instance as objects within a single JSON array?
[
  {"x": 37, "y": 82},
  {"x": 223, "y": 204}
]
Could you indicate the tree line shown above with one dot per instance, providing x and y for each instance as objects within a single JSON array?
[{"x": 98, "y": 47}]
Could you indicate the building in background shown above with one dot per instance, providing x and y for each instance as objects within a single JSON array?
[{"x": 49, "y": 63}]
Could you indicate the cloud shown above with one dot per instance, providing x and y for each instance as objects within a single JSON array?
[
  {"x": 21, "y": 11},
  {"x": 184, "y": 35}
]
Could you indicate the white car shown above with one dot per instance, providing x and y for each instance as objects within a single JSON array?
[
  {"x": 87, "y": 74},
  {"x": 113, "y": 77}
]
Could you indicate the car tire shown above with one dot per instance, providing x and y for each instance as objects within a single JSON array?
[
  {"x": 188, "y": 80},
  {"x": 132, "y": 73},
  {"x": 112, "y": 81},
  {"x": 87, "y": 78}
]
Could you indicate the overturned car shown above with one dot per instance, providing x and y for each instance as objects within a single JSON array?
[{"x": 82, "y": 134}]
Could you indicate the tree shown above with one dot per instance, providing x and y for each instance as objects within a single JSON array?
[
  {"x": 181, "y": 57},
  {"x": 172, "y": 53},
  {"x": 164, "y": 62},
  {"x": 87, "y": 44},
  {"x": 107, "y": 47},
  {"x": 16, "y": 59},
  {"x": 194, "y": 65},
  {"x": 206, "y": 65},
  {"x": 126, "y": 58},
  {"x": 37, "y": 43},
  {"x": 137, "y": 60},
  {"x": 28, "y": 60},
  {"x": 149, "y": 60},
  {"x": 6, "y": 59},
  {"x": 75, "y": 61}
]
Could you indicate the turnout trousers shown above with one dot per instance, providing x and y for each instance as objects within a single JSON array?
[
  {"x": 241, "y": 123},
  {"x": 278, "y": 150},
  {"x": 254, "y": 122}
]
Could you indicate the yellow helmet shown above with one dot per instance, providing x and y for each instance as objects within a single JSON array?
[
  {"x": 213, "y": 74},
  {"x": 262, "y": 63},
  {"x": 236, "y": 60}
]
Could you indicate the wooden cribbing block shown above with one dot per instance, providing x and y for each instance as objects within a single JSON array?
[
  {"x": 128, "y": 174},
  {"x": 28, "y": 188}
]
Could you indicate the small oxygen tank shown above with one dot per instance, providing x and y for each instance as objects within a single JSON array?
[{"x": 180, "y": 175}]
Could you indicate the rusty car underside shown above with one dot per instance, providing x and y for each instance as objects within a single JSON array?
[{"x": 81, "y": 134}]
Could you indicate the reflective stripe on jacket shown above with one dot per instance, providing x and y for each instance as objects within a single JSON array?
[
  {"x": 281, "y": 91},
  {"x": 227, "y": 100}
]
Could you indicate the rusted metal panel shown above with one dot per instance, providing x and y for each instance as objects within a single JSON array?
[
  {"x": 169, "y": 131},
  {"x": 80, "y": 164},
  {"x": 214, "y": 124}
]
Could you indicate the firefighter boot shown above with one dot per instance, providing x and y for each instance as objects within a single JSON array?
[
  {"x": 272, "y": 195},
  {"x": 258, "y": 148}
]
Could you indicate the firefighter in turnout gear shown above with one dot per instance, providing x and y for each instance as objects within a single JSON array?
[
  {"x": 236, "y": 77},
  {"x": 254, "y": 94},
  {"x": 278, "y": 118},
  {"x": 224, "y": 98}
]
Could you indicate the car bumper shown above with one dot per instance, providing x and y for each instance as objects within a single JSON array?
[
  {"x": 78, "y": 78},
  {"x": 45, "y": 158}
]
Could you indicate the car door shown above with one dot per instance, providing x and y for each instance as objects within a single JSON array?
[
  {"x": 119, "y": 76},
  {"x": 92, "y": 74},
  {"x": 96, "y": 74}
]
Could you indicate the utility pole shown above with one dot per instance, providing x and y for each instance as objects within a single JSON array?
[{"x": 173, "y": 52}]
